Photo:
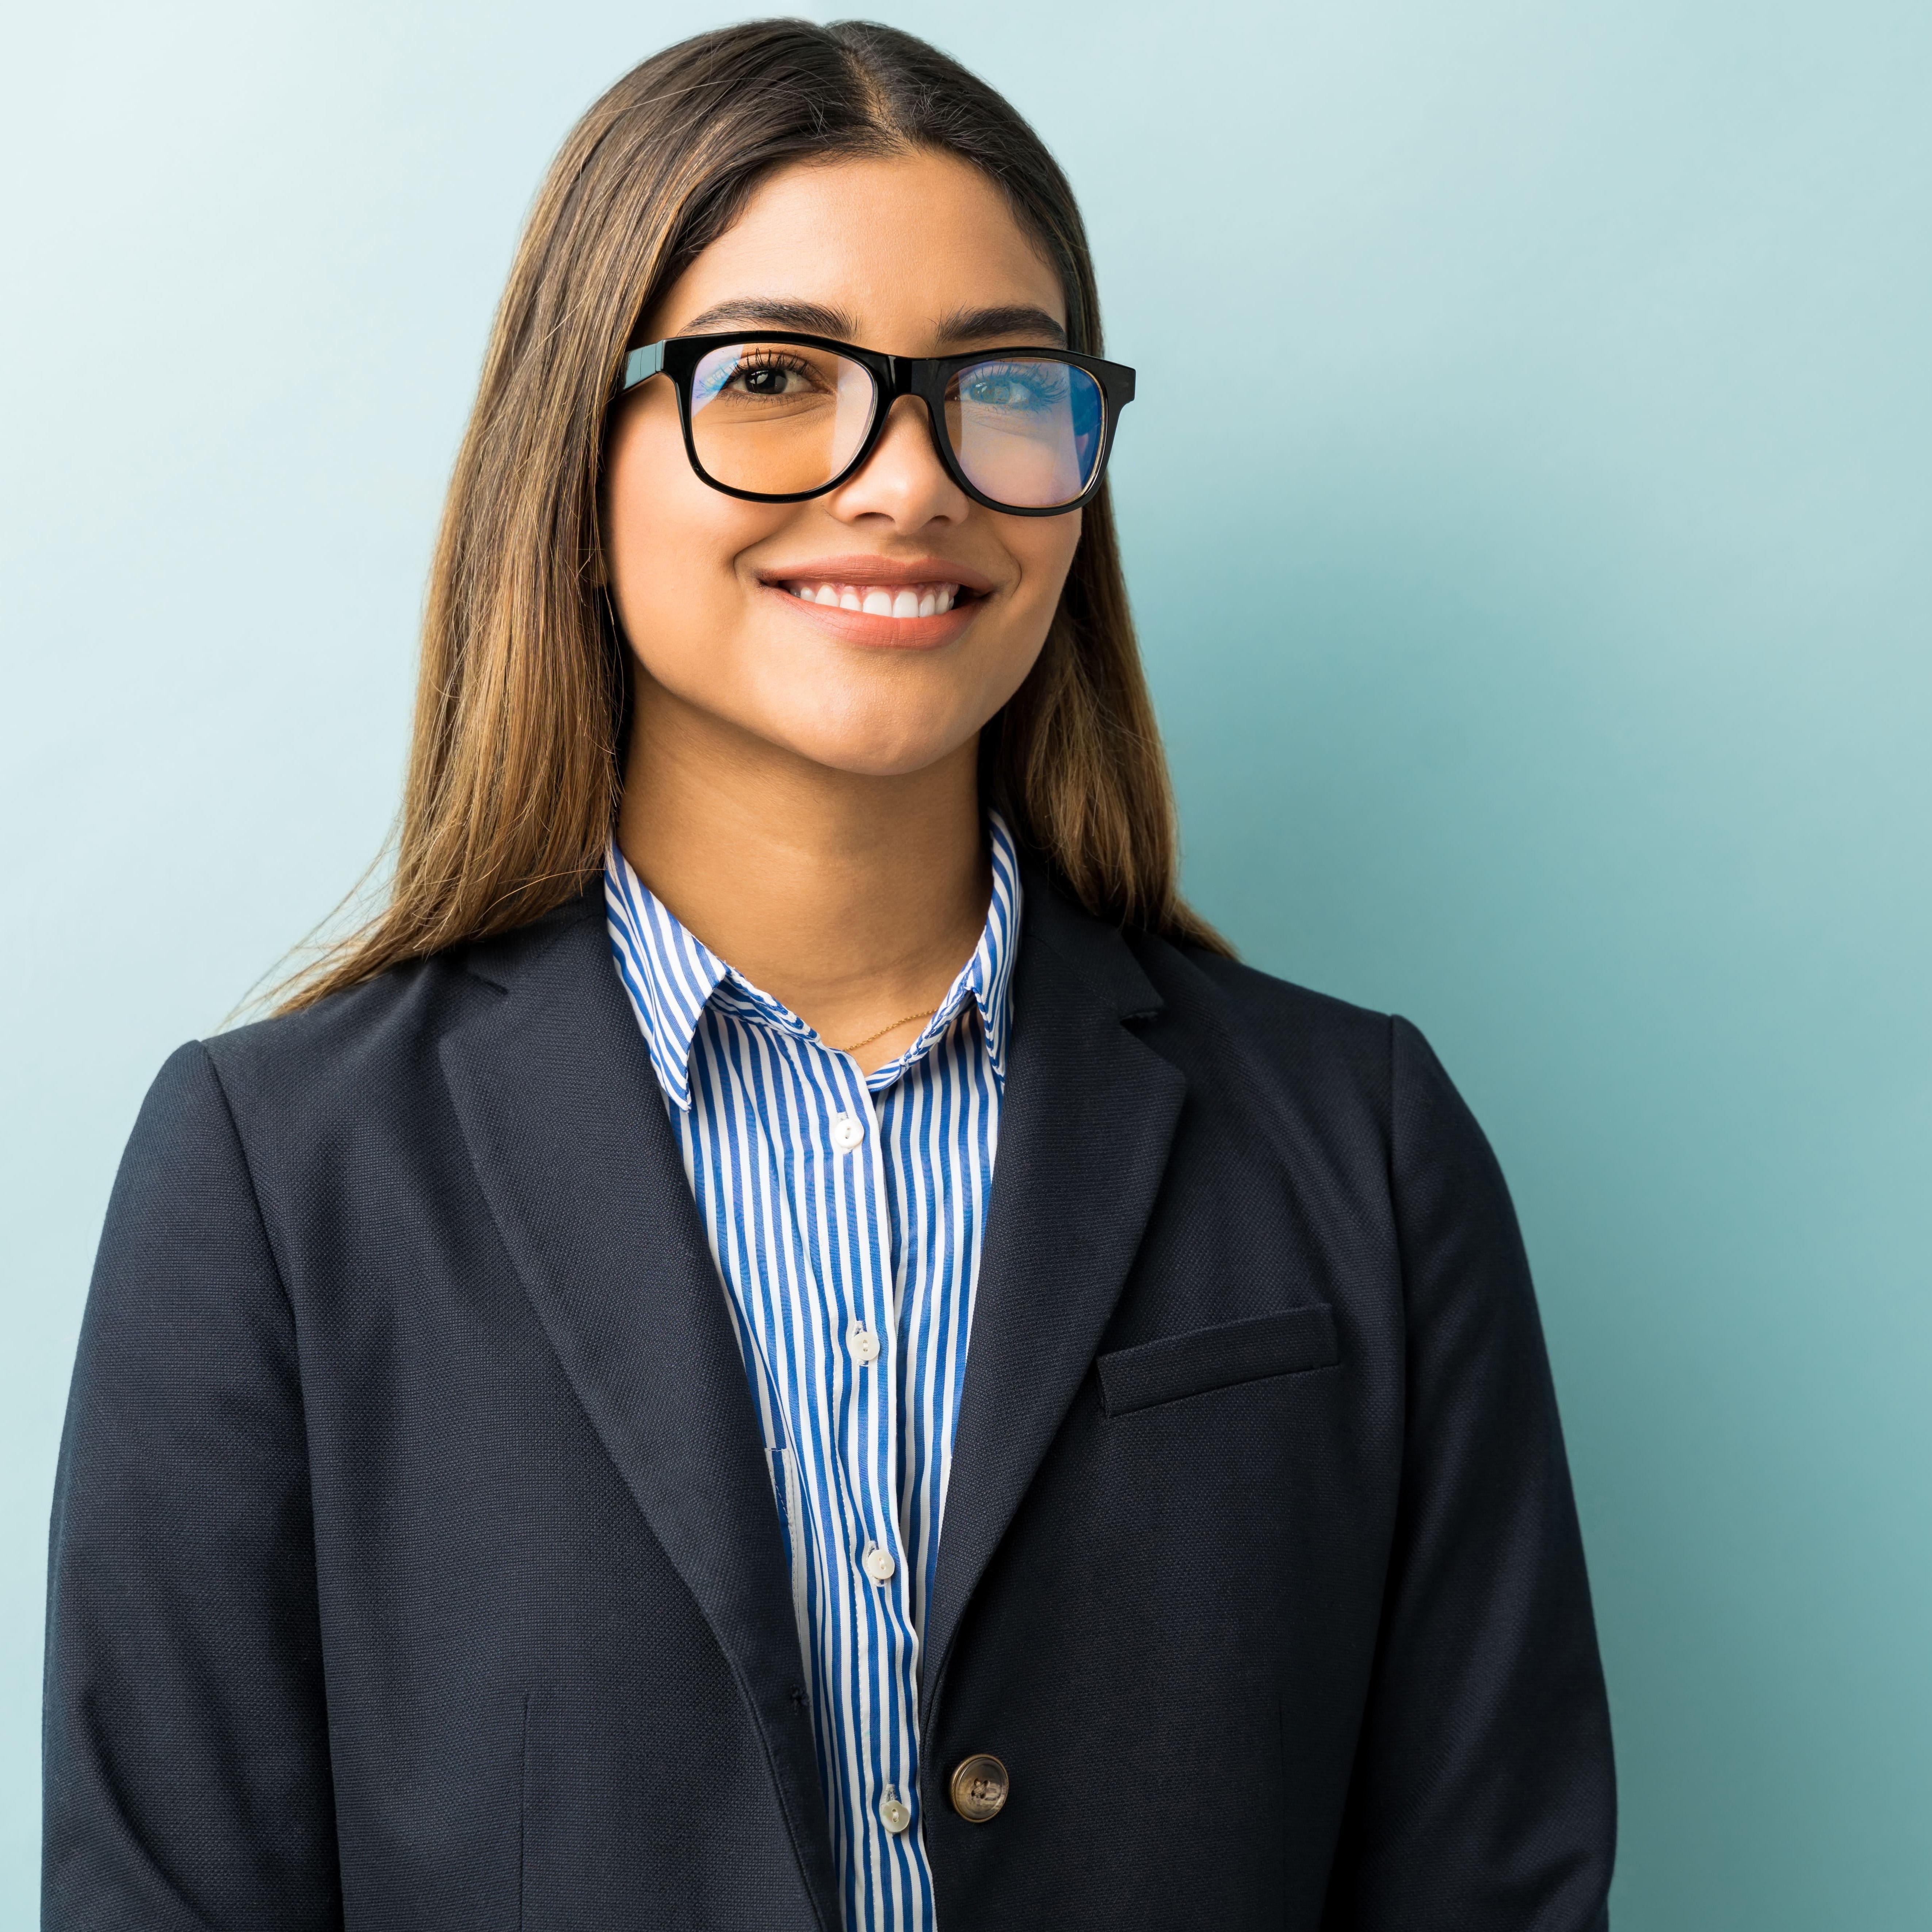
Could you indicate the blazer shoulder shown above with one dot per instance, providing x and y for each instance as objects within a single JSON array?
[
  {"x": 365, "y": 1059},
  {"x": 1281, "y": 1003},
  {"x": 1309, "y": 1038},
  {"x": 344, "y": 1041}
]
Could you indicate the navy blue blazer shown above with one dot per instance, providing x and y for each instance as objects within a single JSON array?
[{"x": 415, "y": 1566}]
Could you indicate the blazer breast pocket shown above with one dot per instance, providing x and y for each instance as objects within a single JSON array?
[{"x": 1290, "y": 1343}]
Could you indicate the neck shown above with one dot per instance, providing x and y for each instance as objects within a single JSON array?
[{"x": 854, "y": 899}]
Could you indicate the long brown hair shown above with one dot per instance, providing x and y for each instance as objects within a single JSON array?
[{"x": 516, "y": 760}]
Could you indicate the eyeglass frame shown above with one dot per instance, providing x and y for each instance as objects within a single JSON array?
[{"x": 925, "y": 377}]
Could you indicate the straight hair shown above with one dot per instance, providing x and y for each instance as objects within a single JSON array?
[{"x": 516, "y": 758}]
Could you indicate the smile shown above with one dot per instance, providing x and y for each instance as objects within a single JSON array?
[{"x": 874, "y": 600}]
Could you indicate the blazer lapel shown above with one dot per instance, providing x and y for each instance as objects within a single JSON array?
[
  {"x": 567, "y": 1130},
  {"x": 1085, "y": 1124}
]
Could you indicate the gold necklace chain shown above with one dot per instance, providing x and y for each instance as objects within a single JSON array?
[{"x": 883, "y": 1031}]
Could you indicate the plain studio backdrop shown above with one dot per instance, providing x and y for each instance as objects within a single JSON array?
[{"x": 1528, "y": 510}]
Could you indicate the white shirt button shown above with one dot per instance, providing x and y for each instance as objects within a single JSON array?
[
  {"x": 892, "y": 1812},
  {"x": 880, "y": 1566},
  {"x": 848, "y": 1131},
  {"x": 863, "y": 1343}
]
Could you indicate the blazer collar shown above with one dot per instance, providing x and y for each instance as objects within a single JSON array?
[
  {"x": 558, "y": 1104},
  {"x": 1085, "y": 1125}
]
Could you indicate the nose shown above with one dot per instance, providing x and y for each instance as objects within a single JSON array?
[{"x": 903, "y": 480}]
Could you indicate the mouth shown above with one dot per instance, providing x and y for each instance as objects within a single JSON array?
[
  {"x": 871, "y": 600},
  {"x": 880, "y": 600}
]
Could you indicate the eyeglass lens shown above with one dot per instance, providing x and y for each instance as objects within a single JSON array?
[
  {"x": 783, "y": 419},
  {"x": 1025, "y": 429},
  {"x": 778, "y": 418}
]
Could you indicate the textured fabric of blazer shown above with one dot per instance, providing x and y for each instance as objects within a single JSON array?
[{"x": 415, "y": 1567}]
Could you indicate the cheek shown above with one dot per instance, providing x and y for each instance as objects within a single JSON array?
[
  {"x": 1044, "y": 548},
  {"x": 671, "y": 543}
]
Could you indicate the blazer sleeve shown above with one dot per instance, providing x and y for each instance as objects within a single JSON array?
[
  {"x": 186, "y": 1760},
  {"x": 1482, "y": 1799}
]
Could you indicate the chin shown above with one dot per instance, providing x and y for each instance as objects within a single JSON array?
[{"x": 880, "y": 749}]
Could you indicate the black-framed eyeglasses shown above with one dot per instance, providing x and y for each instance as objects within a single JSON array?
[{"x": 777, "y": 417}]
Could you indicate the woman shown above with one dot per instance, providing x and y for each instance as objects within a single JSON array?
[{"x": 831, "y": 1358}]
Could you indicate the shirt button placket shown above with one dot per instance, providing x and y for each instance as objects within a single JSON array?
[{"x": 866, "y": 1344}]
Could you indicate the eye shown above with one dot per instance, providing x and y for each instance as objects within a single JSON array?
[
  {"x": 767, "y": 378},
  {"x": 1028, "y": 386},
  {"x": 760, "y": 374}
]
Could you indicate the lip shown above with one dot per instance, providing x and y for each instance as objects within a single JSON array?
[
  {"x": 858, "y": 627},
  {"x": 875, "y": 569}
]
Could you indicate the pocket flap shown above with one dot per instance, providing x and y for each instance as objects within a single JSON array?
[{"x": 1211, "y": 1358}]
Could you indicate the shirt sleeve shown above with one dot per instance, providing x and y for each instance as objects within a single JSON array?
[
  {"x": 1483, "y": 1798},
  {"x": 186, "y": 1773}
]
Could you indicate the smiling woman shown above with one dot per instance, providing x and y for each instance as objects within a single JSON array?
[
  {"x": 808, "y": 578},
  {"x": 559, "y": 1439},
  {"x": 846, "y": 186}
]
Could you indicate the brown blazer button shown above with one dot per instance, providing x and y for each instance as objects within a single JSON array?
[{"x": 980, "y": 1787}]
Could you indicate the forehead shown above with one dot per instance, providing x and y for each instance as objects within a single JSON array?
[{"x": 897, "y": 244}]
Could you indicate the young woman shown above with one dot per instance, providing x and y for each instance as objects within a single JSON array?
[{"x": 786, "y": 1340}]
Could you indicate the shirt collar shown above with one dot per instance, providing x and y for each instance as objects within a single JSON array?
[{"x": 670, "y": 976}]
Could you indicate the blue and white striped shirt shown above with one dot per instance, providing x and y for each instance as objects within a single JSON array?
[{"x": 846, "y": 1212}]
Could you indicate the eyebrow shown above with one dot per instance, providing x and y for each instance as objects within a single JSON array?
[
  {"x": 1008, "y": 319},
  {"x": 803, "y": 318},
  {"x": 1016, "y": 321}
]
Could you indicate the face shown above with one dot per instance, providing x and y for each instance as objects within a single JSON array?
[{"x": 915, "y": 255}]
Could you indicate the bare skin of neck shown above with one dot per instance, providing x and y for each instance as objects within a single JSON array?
[{"x": 854, "y": 899}]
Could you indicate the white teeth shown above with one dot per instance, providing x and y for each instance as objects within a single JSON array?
[{"x": 924, "y": 600}]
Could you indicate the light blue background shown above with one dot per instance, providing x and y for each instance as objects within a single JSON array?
[{"x": 1534, "y": 572}]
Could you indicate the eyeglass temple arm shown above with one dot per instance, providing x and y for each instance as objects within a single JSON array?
[{"x": 641, "y": 364}]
